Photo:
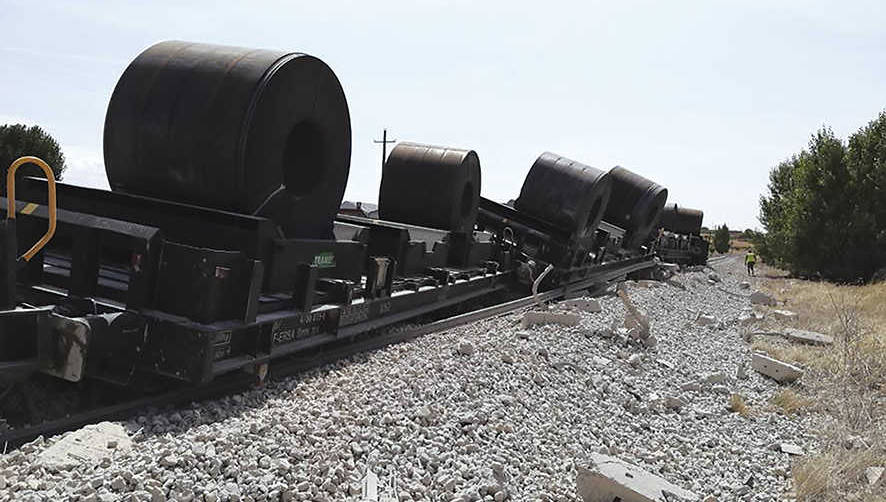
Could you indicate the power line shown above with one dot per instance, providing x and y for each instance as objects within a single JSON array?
[{"x": 384, "y": 146}]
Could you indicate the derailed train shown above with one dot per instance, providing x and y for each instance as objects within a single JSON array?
[
  {"x": 219, "y": 247},
  {"x": 680, "y": 239}
]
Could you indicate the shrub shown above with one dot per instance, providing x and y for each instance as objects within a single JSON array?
[{"x": 721, "y": 239}]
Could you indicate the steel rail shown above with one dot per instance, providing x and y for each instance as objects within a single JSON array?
[{"x": 309, "y": 360}]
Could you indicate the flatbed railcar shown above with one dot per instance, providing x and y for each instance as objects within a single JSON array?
[
  {"x": 679, "y": 239},
  {"x": 219, "y": 248}
]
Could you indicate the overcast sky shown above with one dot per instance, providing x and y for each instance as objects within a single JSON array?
[{"x": 703, "y": 97}]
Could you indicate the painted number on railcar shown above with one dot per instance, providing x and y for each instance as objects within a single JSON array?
[{"x": 304, "y": 326}]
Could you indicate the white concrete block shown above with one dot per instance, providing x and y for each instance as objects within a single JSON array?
[
  {"x": 874, "y": 474},
  {"x": 675, "y": 283},
  {"x": 706, "y": 320},
  {"x": 670, "y": 267},
  {"x": 646, "y": 283},
  {"x": 775, "y": 369},
  {"x": 810, "y": 337},
  {"x": 609, "y": 478},
  {"x": 590, "y": 305},
  {"x": 715, "y": 378},
  {"x": 761, "y": 298},
  {"x": 790, "y": 449},
  {"x": 637, "y": 321},
  {"x": 535, "y": 317},
  {"x": 785, "y": 315},
  {"x": 370, "y": 487},
  {"x": 748, "y": 318},
  {"x": 89, "y": 445}
]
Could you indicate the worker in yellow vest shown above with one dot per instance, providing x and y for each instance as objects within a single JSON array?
[{"x": 750, "y": 260}]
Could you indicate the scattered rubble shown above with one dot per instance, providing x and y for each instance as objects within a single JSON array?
[{"x": 487, "y": 411}]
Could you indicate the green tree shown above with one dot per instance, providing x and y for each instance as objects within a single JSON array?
[
  {"x": 721, "y": 239},
  {"x": 866, "y": 163},
  {"x": 825, "y": 208},
  {"x": 820, "y": 209},
  {"x": 774, "y": 210},
  {"x": 18, "y": 140}
]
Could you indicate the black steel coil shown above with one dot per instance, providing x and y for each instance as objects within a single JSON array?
[
  {"x": 635, "y": 205},
  {"x": 568, "y": 194},
  {"x": 430, "y": 186},
  {"x": 227, "y": 128},
  {"x": 681, "y": 220}
]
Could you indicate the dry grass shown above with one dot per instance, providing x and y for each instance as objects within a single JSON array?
[
  {"x": 789, "y": 402},
  {"x": 814, "y": 301},
  {"x": 738, "y": 405},
  {"x": 854, "y": 315},
  {"x": 846, "y": 381},
  {"x": 804, "y": 355},
  {"x": 837, "y": 475},
  {"x": 739, "y": 245}
]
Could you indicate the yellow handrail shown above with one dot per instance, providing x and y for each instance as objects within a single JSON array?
[{"x": 10, "y": 200}]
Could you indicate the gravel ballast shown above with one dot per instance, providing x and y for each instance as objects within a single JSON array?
[{"x": 488, "y": 411}]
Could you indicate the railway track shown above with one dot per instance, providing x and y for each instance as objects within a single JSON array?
[
  {"x": 205, "y": 270},
  {"x": 719, "y": 259},
  {"x": 294, "y": 365}
]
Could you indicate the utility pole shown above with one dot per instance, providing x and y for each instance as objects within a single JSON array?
[{"x": 384, "y": 146}]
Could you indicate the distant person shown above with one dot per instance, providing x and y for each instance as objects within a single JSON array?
[{"x": 750, "y": 260}]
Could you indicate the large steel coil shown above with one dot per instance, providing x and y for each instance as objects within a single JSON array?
[
  {"x": 430, "y": 186},
  {"x": 635, "y": 205},
  {"x": 568, "y": 194},
  {"x": 231, "y": 128},
  {"x": 681, "y": 220}
]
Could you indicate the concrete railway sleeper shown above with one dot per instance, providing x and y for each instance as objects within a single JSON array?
[{"x": 172, "y": 283}]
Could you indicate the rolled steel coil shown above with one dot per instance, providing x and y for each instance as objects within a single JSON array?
[
  {"x": 681, "y": 220},
  {"x": 568, "y": 194},
  {"x": 635, "y": 205},
  {"x": 430, "y": 186},
  {"x": 231, "y": 128}
]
